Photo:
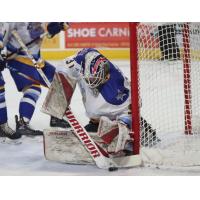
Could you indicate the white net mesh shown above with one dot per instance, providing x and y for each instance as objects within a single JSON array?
[{"x": 169, "y": 87}]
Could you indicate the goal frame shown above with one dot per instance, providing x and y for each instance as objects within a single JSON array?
[{"x": 135, "y": 104}]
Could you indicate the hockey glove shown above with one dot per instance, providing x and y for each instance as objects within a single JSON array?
[
  {"x": 54, "y": 28},
  {"x": 3, "y": 56}
]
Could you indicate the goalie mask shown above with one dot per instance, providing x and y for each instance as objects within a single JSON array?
[{"x": 96, "y": 69}]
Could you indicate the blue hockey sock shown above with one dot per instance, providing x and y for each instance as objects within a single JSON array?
[{"x": 28, "y": 102}]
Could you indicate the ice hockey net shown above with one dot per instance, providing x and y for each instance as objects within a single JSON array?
[{"x": 165, "y": 81}]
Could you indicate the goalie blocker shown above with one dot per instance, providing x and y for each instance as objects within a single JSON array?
[{"x": 76, "y": 146}]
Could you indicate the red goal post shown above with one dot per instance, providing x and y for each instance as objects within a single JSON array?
[{"x": 134, "y": 87}]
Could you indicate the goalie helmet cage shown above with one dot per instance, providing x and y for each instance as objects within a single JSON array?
[{"x": 165, "y": 91}]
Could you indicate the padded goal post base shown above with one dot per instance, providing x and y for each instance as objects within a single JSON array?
[{"x": 63, "y": 146}]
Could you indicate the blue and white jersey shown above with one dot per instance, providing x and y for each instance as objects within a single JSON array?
[
  {"x": 20, "y": 65},
  {"x": 111, "y": 99},
  {"x": 27, "y": 31}
]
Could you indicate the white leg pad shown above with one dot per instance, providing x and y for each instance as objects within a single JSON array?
[{"x": 64, "y": 146}]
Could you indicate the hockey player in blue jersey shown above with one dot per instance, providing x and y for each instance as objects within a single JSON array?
[
  {"x": 23, "y": 72},
  {"x": 105, "y": 91}
]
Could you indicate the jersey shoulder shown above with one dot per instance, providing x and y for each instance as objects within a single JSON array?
[
  {"x": 80, "y": 56},
  {"x": 115, "y": 90}
]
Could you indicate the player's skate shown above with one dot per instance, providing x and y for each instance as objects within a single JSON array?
[
  {"x": 23, "y": 128},
  {"x": 6, "y": 131},
  {"x": 55, "y": 122}
]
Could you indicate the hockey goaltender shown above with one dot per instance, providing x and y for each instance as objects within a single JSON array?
[{"x": 106, "y": 140}]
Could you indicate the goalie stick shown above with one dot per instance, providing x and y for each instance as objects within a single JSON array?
[
  {"x": 102, "y": 161},
  {"x": 99, "y": 155}
]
